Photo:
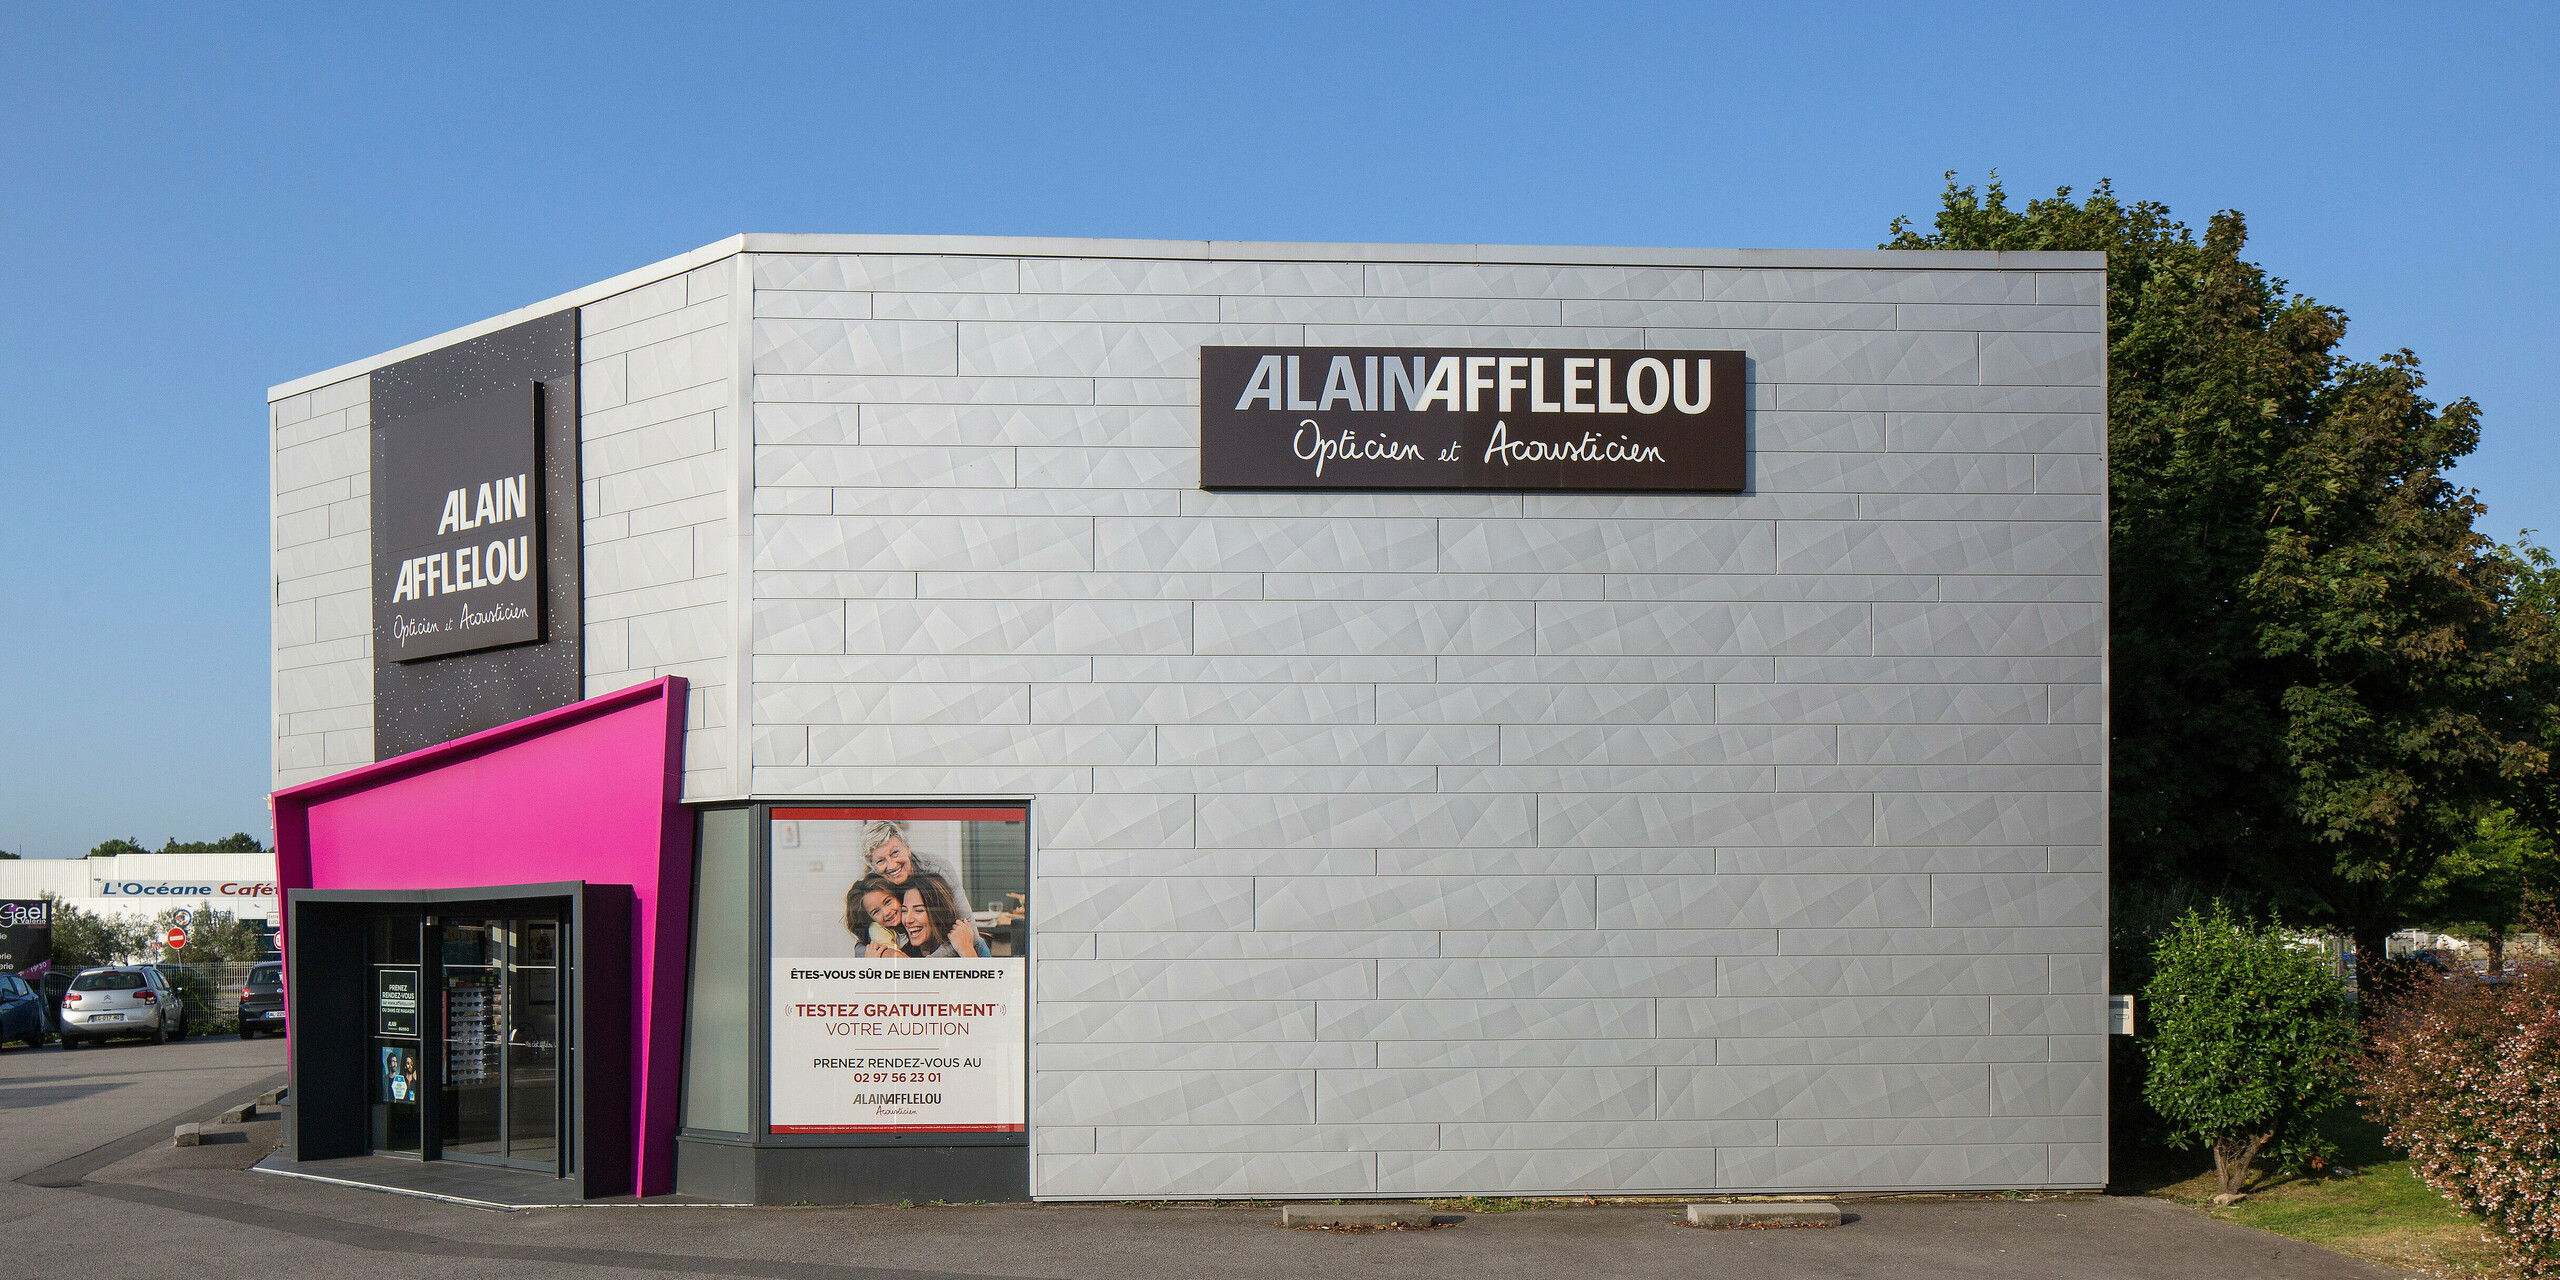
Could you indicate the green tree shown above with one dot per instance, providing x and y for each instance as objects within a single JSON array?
[
  {"x": 2535, "y": 574},
  {"x": 6, "y": 856},
  {"x": 116, "y": 848},
  {"x": 236, "y": 842},
  {"x": 2321, "y": 673},
  {"x": 2414, "y": 687},
  {"x": 82, "y": 940},
  {"x": 2249, "y": 1043},
  {"x": 211, "y": 935},
  {"x": 2484, "y": 887}
]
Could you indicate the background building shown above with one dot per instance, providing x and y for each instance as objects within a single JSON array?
[{"x": 149, "y": 883}]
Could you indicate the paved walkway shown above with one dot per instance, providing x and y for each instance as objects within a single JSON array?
[{"x": 202, "y": 1207}]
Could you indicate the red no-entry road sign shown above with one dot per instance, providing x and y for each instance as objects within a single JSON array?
[{"x": 176, "y": 938}]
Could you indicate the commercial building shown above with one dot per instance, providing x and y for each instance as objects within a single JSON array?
[
  {"x": 849, "y": 717},
  {"x": 145, "y": 884}
]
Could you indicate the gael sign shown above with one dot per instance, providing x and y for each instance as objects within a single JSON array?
[
  {"x": 26, "y": 936},
  {"x": 1407, "y": 418}
]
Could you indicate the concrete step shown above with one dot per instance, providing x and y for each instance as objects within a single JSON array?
[
  {"x": 1356, "y": 1215},
  {"x": 1764, "y": 1215}
]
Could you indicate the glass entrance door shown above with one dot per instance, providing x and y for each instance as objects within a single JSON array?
[
  {"x": 394, "y": 1062},
  {"x": 501, "y": 1006},
  {"x": 532, "y": 1045}
]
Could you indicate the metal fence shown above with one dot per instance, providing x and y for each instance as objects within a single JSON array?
[{"x": 212, "y": 989}]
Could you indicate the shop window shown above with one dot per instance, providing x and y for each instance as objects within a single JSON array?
[{"x": 722, "y": 994}]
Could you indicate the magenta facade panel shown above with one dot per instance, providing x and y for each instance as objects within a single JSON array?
[{"x": 588, "y": 792}]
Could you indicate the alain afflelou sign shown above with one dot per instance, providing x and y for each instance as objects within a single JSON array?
[
  {"x": 457, "y": 535},
  {"x": 1616, "y": 421}
]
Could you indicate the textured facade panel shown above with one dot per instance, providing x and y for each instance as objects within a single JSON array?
[
  {"x": 1766, "y": 901},
  {"x": 1834, "y": 284},
  {"x": 319, "y": 459},
  {"x": 1468, "y": 280},
  {"x": 1397, "y": 902},
  {"x": 1123, "y": 1176},
  {"x": 1825, "y": 1015},
  {"x": 1883, "y": 975},
  {"x": 1702, "y": 629},
  {"x": 1386, "y": 546},
  {"x": 1868, "y": 1168},
  {"x": 1189, "y": 1097},
  {"x": 1608, "y": 546},
  {"x": 1437, "y": 1020},
  {"x": 1457, "y": 1171},
  {"x": 1800, "y": 1091},
  {"x": 1364, "y": 627},
  {"x": 1366, "y": 821},
  {"x": 1373, "y": 1097}
]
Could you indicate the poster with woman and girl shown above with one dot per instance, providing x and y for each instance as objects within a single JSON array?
[{"x": 899, "y": 970}]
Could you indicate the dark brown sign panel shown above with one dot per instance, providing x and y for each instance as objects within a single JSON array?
[
  {"x": 421, "y": 703},
  {"x": 457, "y": 526},
  {"x": 1614, "y": 421}
]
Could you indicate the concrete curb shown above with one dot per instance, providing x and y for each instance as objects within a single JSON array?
[
  {"x": 1356, "y": 1215},
  {"x": 73, "y": 1171},
  {"x": 189, "y": 1135},
  {"x": 1726, "y": 1216}
]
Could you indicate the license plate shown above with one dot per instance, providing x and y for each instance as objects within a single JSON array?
[{"x": 106, "y": 1017}]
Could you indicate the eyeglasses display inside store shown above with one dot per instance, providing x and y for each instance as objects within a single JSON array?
[{"x": 467, "y": 1053}]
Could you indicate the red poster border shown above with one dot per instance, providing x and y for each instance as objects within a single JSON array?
[
  {"x": 896, "y": 1128},
  {"x": 1019, "y": 813},
  {"x": 908, "y": 815}
]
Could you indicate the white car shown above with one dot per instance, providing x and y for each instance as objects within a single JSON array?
[{"x": 124, "y": 1000}]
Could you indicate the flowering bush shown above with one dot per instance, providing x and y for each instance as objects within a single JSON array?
[
  {"x": 2249, "y": 1042},
  {"x": 2466, "y": 1075}
]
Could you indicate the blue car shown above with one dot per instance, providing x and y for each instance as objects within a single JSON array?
[{"x": 22, "y": 1012}]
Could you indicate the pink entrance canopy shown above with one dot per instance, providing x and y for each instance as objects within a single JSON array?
[{"x": 589, "y": 792}]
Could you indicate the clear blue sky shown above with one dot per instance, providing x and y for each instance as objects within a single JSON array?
[{"x": 211, "y": 199}]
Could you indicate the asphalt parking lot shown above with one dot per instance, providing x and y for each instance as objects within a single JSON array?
[{"x": 95, "y": 1123}]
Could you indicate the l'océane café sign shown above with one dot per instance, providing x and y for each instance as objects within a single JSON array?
[
  {"x": 1615, "y": 420},
  {"x": 457, "y": 536}
]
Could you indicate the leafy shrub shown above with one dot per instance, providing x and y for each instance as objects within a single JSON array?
[
  {"x": 2465, "y": 1073},
  {"x": 82, "y": 940},
  {"x": 2249, "y": 1043}
]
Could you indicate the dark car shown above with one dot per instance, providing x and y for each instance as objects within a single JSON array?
[
  {"x": 56, "y": 981},
  {"x": 22, "y": 1012},
  {"x": 262, "y": 1000}
]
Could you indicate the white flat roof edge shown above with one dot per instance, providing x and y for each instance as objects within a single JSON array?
[
  {"x": 1214, "y": 250},
  {"x": 578, "y": 297}
]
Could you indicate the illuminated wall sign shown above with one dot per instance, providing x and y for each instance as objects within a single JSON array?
[
  {"x": 457, "y": 533},
  {"x": 26, "y": 936},
  {"x": 229, "y": 893},
  {"x": 1614, "y": 421}
]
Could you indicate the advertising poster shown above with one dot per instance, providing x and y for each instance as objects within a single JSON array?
[
  {"x": 399, "y": 1082},
  {"x": 395, "y": 1003},
  {"x": 900, "y": 970},
  {"x": 26, "y": 937}
]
